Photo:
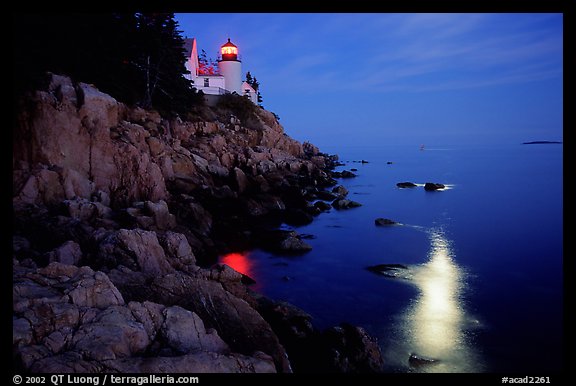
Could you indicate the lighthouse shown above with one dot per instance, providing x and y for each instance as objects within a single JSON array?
[
  {"x": 214, "y": 82},
  {"x": 230, "y": 67}
]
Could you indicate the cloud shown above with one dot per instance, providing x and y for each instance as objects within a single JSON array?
[{"x": 432, "y": 52}]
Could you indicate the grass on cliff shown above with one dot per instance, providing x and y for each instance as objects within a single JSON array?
[{"x": 241, "y": 107}]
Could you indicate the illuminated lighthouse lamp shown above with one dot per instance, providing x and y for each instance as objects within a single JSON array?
[{"x": 229, "y": 51}]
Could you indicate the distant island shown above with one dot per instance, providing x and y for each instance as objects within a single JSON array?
[{"x": 540, "y": 142}]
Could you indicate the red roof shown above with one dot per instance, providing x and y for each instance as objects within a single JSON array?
[{"x": 229, "y": 44}]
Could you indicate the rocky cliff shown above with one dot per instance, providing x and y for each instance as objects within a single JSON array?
[{"x": 118, "y": 216}]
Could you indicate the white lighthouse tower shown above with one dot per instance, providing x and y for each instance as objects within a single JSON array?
[{"x": 230, "y": 67}]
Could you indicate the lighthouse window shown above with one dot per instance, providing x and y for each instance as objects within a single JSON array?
[{"x": 206, "y": 82}]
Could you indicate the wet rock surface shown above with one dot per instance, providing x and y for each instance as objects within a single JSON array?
[
  {"x": 389, "y": 270},
  {"x": 345, "y": 204},
  {"x": 432, "y": 186},
  {"x": 384, "y": 222}
]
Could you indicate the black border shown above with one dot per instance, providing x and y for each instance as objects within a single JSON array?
[{"x": 566, "y": 7}]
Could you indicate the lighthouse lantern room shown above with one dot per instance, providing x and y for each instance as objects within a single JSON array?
[{"x": 229, "y": 51}]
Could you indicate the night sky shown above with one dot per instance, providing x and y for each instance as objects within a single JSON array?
[{"x": 359, "y": 79}]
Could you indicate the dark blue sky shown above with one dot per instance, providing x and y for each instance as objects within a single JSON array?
[{"x": 357, "y": 79}]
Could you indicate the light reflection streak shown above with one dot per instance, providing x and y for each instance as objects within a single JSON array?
[
  {"x": 239, "y": 262},
  {"x": 435, "y": 326}
]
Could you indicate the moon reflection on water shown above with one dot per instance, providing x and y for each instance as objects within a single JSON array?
[{"x": 436, "y": 325}]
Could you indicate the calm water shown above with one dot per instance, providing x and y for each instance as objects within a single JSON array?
[{"x": 484, "y": 288}]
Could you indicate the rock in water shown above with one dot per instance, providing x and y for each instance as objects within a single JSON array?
[
  {"x": 406, "y": 185},
  {"x": 327, "y": 196},
  {"x": 419, "y": 361},
  {"x": 322, "y": 206},
  {"x": 283, "y": 242},
  {"x": 345, "y": 204},
  {"x": 431, "y": 186},
  {"x": 294, "y": 244},
  {"x": 340, "y": 191},
  {"x": 384, "y": 221},
  {"x": 347, "y": 174},
  {"x": 353, "y": 350},
  {"x": 297, "y": 217},
  {"x": 388, "y": 270}
]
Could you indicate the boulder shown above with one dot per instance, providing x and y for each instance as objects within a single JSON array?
[
  {"x": 98, "y": 108},
  {"x": 68, "y": 253},
  {"x": 347, "y": 174},
  {"x": 417, "y": 361},
  {"x": 238, "y": 324},
  {"x": 177, "y": 249},
  {"x": 297, "y": 217},
  {"x": 184, "y": 332},
  {"x": 406, "y": 185},
  {"x": 240, "y": 180},
  {"x": 431, "y": 186},
  {"x": 114, "y": 333},
  {"x": 384, "y": 221},
  {"x": 389, "y": 270},
  {"x": 343, "y": 174},
  {"x": 345, "y": 204},
  {"x": 294, "y": 245},
  {"x": 94, "y": 290},
  {"x": 161, "y": 215},
  {"x": 340, "y": 191},
  {"x": 54, "y": 300},
  {"x": 262, "y": 183},
  {"x": 322, "y": 206},
  {"x": 353, "y": 350},
  {"x": 76, "y": 184},
  {"x": 137, "y": 249},
  {"x": 326, "y": 196},
  {"x": 193, "y": 214},
  {"x": 283, "y": 241},
  {"x": 22, "y": 333}
]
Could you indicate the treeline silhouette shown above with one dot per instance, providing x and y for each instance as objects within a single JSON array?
[{"x": 138, "y": 58}]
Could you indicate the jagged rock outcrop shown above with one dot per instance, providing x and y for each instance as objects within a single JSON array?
[
  {"x": 75, "y": 140},
  {"x": 118, "y": 213},
  {"x": 72, "y": 319}
]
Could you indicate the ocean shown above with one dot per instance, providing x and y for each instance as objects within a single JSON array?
[{"x": 483, "y": 287}]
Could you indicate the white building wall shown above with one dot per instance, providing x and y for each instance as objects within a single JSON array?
[
  {"x": 248, "y": 90},
  {"x": 232, "y": 72},
  {"x": 192, "y": 62},
  {"x": 216, "y": 84}
]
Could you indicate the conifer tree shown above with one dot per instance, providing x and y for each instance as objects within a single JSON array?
[
  {"x": 138, "y": 58},
  {"x": 253, "y": 82}
]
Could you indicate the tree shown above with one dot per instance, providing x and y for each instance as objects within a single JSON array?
[
  {"x": 207, "y": 66},
  {"x": 161, "y": 61},
  {"x": 249, "y": 78},
  {"x": 253, "y": 82},
  {"x": 138, "y": 58}
]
